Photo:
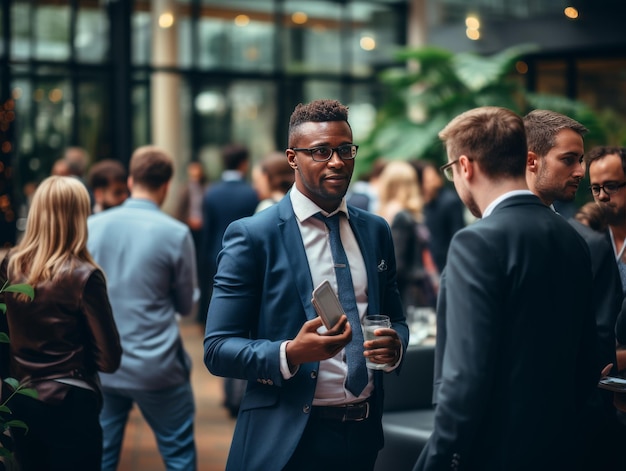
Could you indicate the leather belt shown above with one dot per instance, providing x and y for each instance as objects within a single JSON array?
[{"x": 348, "y": 413}]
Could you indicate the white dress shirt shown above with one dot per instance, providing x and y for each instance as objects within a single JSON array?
[{"x": 331, "y": 379}]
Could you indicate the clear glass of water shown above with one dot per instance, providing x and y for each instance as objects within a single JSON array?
[{"x": 370, "y": 325}]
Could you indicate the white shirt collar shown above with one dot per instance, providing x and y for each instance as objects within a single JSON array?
[
  {"x": 304, "y": 208},
  {"x": 509, "y": 194}
]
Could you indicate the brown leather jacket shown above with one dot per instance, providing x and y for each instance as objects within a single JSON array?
[{"x": 67, "y": 331}]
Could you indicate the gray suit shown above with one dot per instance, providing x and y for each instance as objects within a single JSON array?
[{"x": 515, "y": 355}]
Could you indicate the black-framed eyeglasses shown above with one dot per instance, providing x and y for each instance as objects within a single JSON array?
[
  {"x": 609, "y": 188},
  {"x": 447, "y": 170},
  {"x": 324, "y": 153}
]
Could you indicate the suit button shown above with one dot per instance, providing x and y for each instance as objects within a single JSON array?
[
  {"x": 313, "y": 374},
  {"x": 306, "y": 409}
]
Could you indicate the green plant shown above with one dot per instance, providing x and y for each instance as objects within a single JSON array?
[
  {"x": 433, "y": 85},
  {"x": 17, "y": 388}
]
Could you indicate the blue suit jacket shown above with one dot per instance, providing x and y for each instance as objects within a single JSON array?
[
  {"x": 261, "y": 297},
  {"x": 149, "y": 261}
]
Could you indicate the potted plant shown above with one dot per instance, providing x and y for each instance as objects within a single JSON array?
[{"x": 6, "y": 421}]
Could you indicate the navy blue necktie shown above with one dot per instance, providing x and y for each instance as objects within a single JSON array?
[{"x": 357, "y": 371}]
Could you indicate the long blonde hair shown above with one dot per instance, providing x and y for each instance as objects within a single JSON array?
[
  {"x": 56, "y": 232},
  {"x": 398, "y": 189}
]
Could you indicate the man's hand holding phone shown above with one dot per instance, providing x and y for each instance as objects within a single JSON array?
[{"x": 309, "y": 345}]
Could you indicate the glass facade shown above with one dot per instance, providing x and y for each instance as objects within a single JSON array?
[
  {"x": 82, "y": 72},
  {"x": 243, "y": 65}
]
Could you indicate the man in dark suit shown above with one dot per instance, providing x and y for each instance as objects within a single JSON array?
[
  {"x": 225, "y": 201},
  {"x": 443, "y": 210},
  {"x": 230, "y": 199},
  {"x": 554, "y": 169},
  {"x": 515, "y": 356},
  {"x": 300, "y": 411}
]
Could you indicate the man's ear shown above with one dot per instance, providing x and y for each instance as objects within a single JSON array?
[
  {"x": 129, "y": 183},
  {"x": 291, "y": 158},
  {"x": 532, "y": 162},
  {"x": 466, "y": 167}
]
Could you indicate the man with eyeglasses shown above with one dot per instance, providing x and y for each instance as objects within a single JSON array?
[
  {"x": 554, "y": 169},
  {"x": 310, "y": 401},
  {"x": 608, "y": 181},
  {"x": 514, "y": 358}
]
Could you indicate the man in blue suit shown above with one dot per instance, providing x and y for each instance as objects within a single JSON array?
[
  {"x": 515, "y": 360},
  {"x": 299, "y": 412}
]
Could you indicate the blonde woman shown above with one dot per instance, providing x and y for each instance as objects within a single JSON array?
[
  {"x": 62, "y": 338},
  {"x": 400, "y": 204}
]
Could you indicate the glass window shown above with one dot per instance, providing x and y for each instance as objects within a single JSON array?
[
  {"x": 52, "y": 32},
  {"x": 20, "y": 30},
  {"x": 243, "y": 112},
  {"x": 94, "y": 117},
  {"x": 44, "y": 109},
  {"x": 92, "y": 35},
  {"x": 141, "y": 115},
  {"x": 141, "y": 37},
  {"x": 602, "y": 84},
  {"x": 551, "y": 77},
  {"x": 318, "y": 89},
  {"x": 236, "y": 38},
  {"x": 373, "y": 37},
  {"x": 185, "y": 45},
  {"x": 313, "y": 37}
]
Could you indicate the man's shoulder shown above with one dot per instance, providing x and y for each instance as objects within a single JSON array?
[
  {"x": 131, "y": 217},
  {"x": 228, "y": 186},
  {"x": 108, "y": 216},
  {"x": 596, "y": 240}
]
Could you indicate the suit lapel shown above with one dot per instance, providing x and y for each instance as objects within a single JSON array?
[
  {"x": 369, "y": 253},
  {"x": 294, "y": 250}
]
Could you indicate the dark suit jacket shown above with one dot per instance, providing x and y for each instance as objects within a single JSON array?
[
  {"x": 223, "y": 203},
  {"x": 515, "y": 355},
  {"x": 261, "y": 297},
  {"x": 443, "y": 217},
  {"x": 607, "y": 291}
]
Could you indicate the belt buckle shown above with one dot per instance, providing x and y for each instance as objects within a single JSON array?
[{"x": 346, "y": 417}]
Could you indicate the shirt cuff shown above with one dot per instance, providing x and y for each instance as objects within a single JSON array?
[{"x": 284, "y": 364}]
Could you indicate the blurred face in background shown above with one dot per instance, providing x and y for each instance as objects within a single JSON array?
[
  {"x": 608, "y": 169},
  {"x": 260, "y": 183},
  {"x": 431, "y": 183},
  {"x": 112, "y": 195}
]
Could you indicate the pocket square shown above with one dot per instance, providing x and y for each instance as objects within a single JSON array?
[{"x": 382, "y": 266}]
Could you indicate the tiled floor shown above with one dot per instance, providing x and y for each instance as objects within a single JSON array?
[{"x": 214, "y": 427}]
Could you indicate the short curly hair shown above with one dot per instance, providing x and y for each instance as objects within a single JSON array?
[{"x": 317, "y": 111}]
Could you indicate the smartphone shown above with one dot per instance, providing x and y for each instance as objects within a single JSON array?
[
  {"x": 326, "y": 304},
  {"x": 613, "y": 383}
]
